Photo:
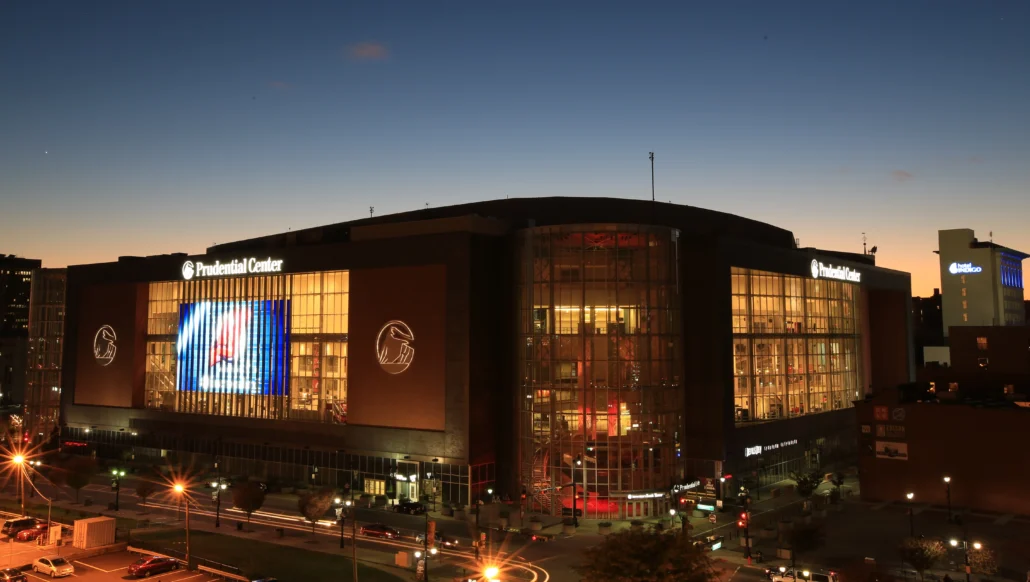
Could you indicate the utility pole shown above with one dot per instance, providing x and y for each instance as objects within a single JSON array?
[
  {"x": 371, "y": 211},
  {"x": 651, "y": 155}
]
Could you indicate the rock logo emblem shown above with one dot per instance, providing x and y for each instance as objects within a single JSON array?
[
  {"x": 187, "y": 270},
  {"x": 393, "y": 347},
  {"x": 104, "y": 348}
]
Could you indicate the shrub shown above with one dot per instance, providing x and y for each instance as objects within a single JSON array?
[
  {"x": 636, "y": 522},
  {"x": 605, "y": 524}
]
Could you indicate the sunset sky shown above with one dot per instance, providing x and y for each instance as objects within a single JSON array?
[{"x": 152, "y": 127}]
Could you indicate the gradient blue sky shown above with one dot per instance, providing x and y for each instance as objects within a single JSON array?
[{"x": 151, "y": 127}]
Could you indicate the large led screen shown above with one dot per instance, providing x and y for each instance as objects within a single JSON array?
[{"x": 233, "y": 347}]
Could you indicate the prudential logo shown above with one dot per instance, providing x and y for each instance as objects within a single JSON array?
[
  {"x": 187, "y": 270},
  {"x": 815, "y": 269}
]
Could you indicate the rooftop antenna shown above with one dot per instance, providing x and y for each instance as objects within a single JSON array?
[
  {"x": 651, "y": 156},
  {"x": 427, "y": 206},
  {"x": 991, "y": 234},
  {"x": 371, "y": 211},
  {"x": 863, "y": 245}
]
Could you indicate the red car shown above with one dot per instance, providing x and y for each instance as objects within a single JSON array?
[
  {"x": 152, "y": 565},
  {"x": 27, "y": 535},
  {"x": 378, "y": 530}
]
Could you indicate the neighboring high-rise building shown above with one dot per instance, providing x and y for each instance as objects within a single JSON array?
[
  {"x": 927, "y": 327},
  {"x": 15, "y": 282},
  {"x": 982, "y": 282},
  {"x": 45, "y": 348}
]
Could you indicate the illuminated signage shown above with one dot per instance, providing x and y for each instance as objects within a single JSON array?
[
  {"x": 246, "y": 266},
  {"x": 820, "y": 270},
  {"x": 686, "y": 487},
  {"x": 393, "y": 347},
  {"x": 717, "y": 545},
  {"x": 104, "y": 347},
  {"x": 705, "y": 507},
  {"x": 758, "y": 449},
  {"x": 645, "y": 495},
  {"x": 964, "y": 268}
]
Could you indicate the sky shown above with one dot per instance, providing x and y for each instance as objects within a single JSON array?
[{"x": 152, "y": 127}]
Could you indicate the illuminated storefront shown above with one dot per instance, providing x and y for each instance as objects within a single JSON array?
[{"x": 599, "y": 365}]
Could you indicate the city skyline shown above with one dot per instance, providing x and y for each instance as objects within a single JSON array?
[{"x": 165, "y": 128}]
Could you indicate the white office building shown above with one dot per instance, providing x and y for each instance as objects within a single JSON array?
[{"x": 981, "y": 282}]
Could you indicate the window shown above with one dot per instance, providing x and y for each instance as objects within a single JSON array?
[
  {"x": 1010, "y": 389},
  {"x": 965, "y": 304},
  {"x": 952, "y": 386},
  {"x": 965, "y": 317},
  {"x": 963, "y": 293},
  {"x": 981, "y": 363},
  {"x": 981, "y": 343}
]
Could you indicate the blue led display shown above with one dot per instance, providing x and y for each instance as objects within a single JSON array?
[{"x": 233, "y": 347}]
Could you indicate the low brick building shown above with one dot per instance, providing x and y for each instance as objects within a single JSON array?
[{"x": 911, "y": 438}]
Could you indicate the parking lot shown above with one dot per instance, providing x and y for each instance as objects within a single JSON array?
[{"x": 109, "y": 567}]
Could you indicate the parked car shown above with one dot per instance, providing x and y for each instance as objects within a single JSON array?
[
  {"x": 152, "y": 565},
  {"x": 12, "y": 575},
  {"x": 54, "y": 566},
  {"x": 378, "y": 530},
  {"x": 441, "y": 540},
  {"x": 13, "y": 526},
  {"x": 410, "y": 507},
  {"x": 789, "y": 575},
  {"x": 27, "y": 535}
]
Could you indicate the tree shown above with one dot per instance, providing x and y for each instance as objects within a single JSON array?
[
  {"x": 921, "y": 553},
  {"x": 144, "y": 489},
  {"x": 79, "y": 472},
  {"x": 645, "y": 556},
  {"x": 983, "y": 561},
  {"x": 803, "y": 538},
  {"x": 248, "y": 497},
  {"x": 314, "y": 505},
  {"x": 806, "y": 484}
]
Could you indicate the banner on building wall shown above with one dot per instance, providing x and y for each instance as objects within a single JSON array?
[{"x": 891, "y": 450}]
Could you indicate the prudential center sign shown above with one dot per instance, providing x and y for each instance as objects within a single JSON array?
[
  {"x": 821, "y": 271},
  {"x": 245, "y": 266}
]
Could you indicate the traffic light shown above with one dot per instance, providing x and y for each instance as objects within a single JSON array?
[
  {"x": 741, "y": 524},
  {"x": 683, "y": 500},
  {"x": 431, "y": 534}
]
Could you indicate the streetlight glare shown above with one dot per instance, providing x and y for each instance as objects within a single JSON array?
[
  {"x": 672, "y": 512},
  {"x": 947, "y": 479},
  {"x": 337, "y": 501},
  {"x": 18, "y": 459},
  {"x": 910, "y": 496},
  {"x": 418, "y": 554},
  {"x": 432, "y": 551},
  {"x": 179, "y": 488},
  {"x": 491, "y": 572},
  {"x": 214, "y": 484},
  {"x": 953, "y": 543},
  {"x": 977, "y": 545}
]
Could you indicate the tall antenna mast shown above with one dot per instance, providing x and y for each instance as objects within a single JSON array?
[
  {"x": 651, "y": 155},
  {"x": 863, "y": 244},
  {"x": 371, "y": 211}
]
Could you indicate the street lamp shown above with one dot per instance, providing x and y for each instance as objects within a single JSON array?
[
  {"x": 116, "y": 484},
  {"x": 947, "y": 492},
  {"x": 218, "y": 486},
  {"x": 341, "y": 515},
  {"x": 911, "y": 515},
  {"x": 575, "y": 493},
  {"x": 683, "y": 519},
  {"x": 491, "y": 573},
  {"x": 19, "y": 461},
  {"x": 965, "y": 549},
  {"x": 180, "y": 489}
]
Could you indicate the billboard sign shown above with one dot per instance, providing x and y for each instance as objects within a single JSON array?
[
  {"x": 890, "y": 450},
  {"x": 233, "y": 347}
]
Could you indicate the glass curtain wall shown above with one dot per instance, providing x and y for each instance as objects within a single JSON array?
[
  {"x": 796, "y": 345},
  {"x": 311, "y": 381},
  {"x": 599, "y": 360},
  {"x": 46, "y": 345}
]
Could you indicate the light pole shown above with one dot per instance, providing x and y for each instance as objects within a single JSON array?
[
  {"x": 341, "y": 515},
  {"x": 683, "y": 519},
  {"x": 180, "y": 489},
  {"x": 19, "y": 462},
  {"x": 947, "y": 492},
  {"x": 575, "y": 492},
  {"x": 965, "y": 548},
  {"x": 116, "y": 484},
  {"x": 218, "y": 486},
  {"x": 911, "y": 515}
]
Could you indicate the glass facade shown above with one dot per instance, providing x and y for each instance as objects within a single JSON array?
[
  {"x": 270, "y": 347},
  {"x": 599, "y": 365},
  {"x": 796, "y": 345},
  {"x": 46, "y": 345}
]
